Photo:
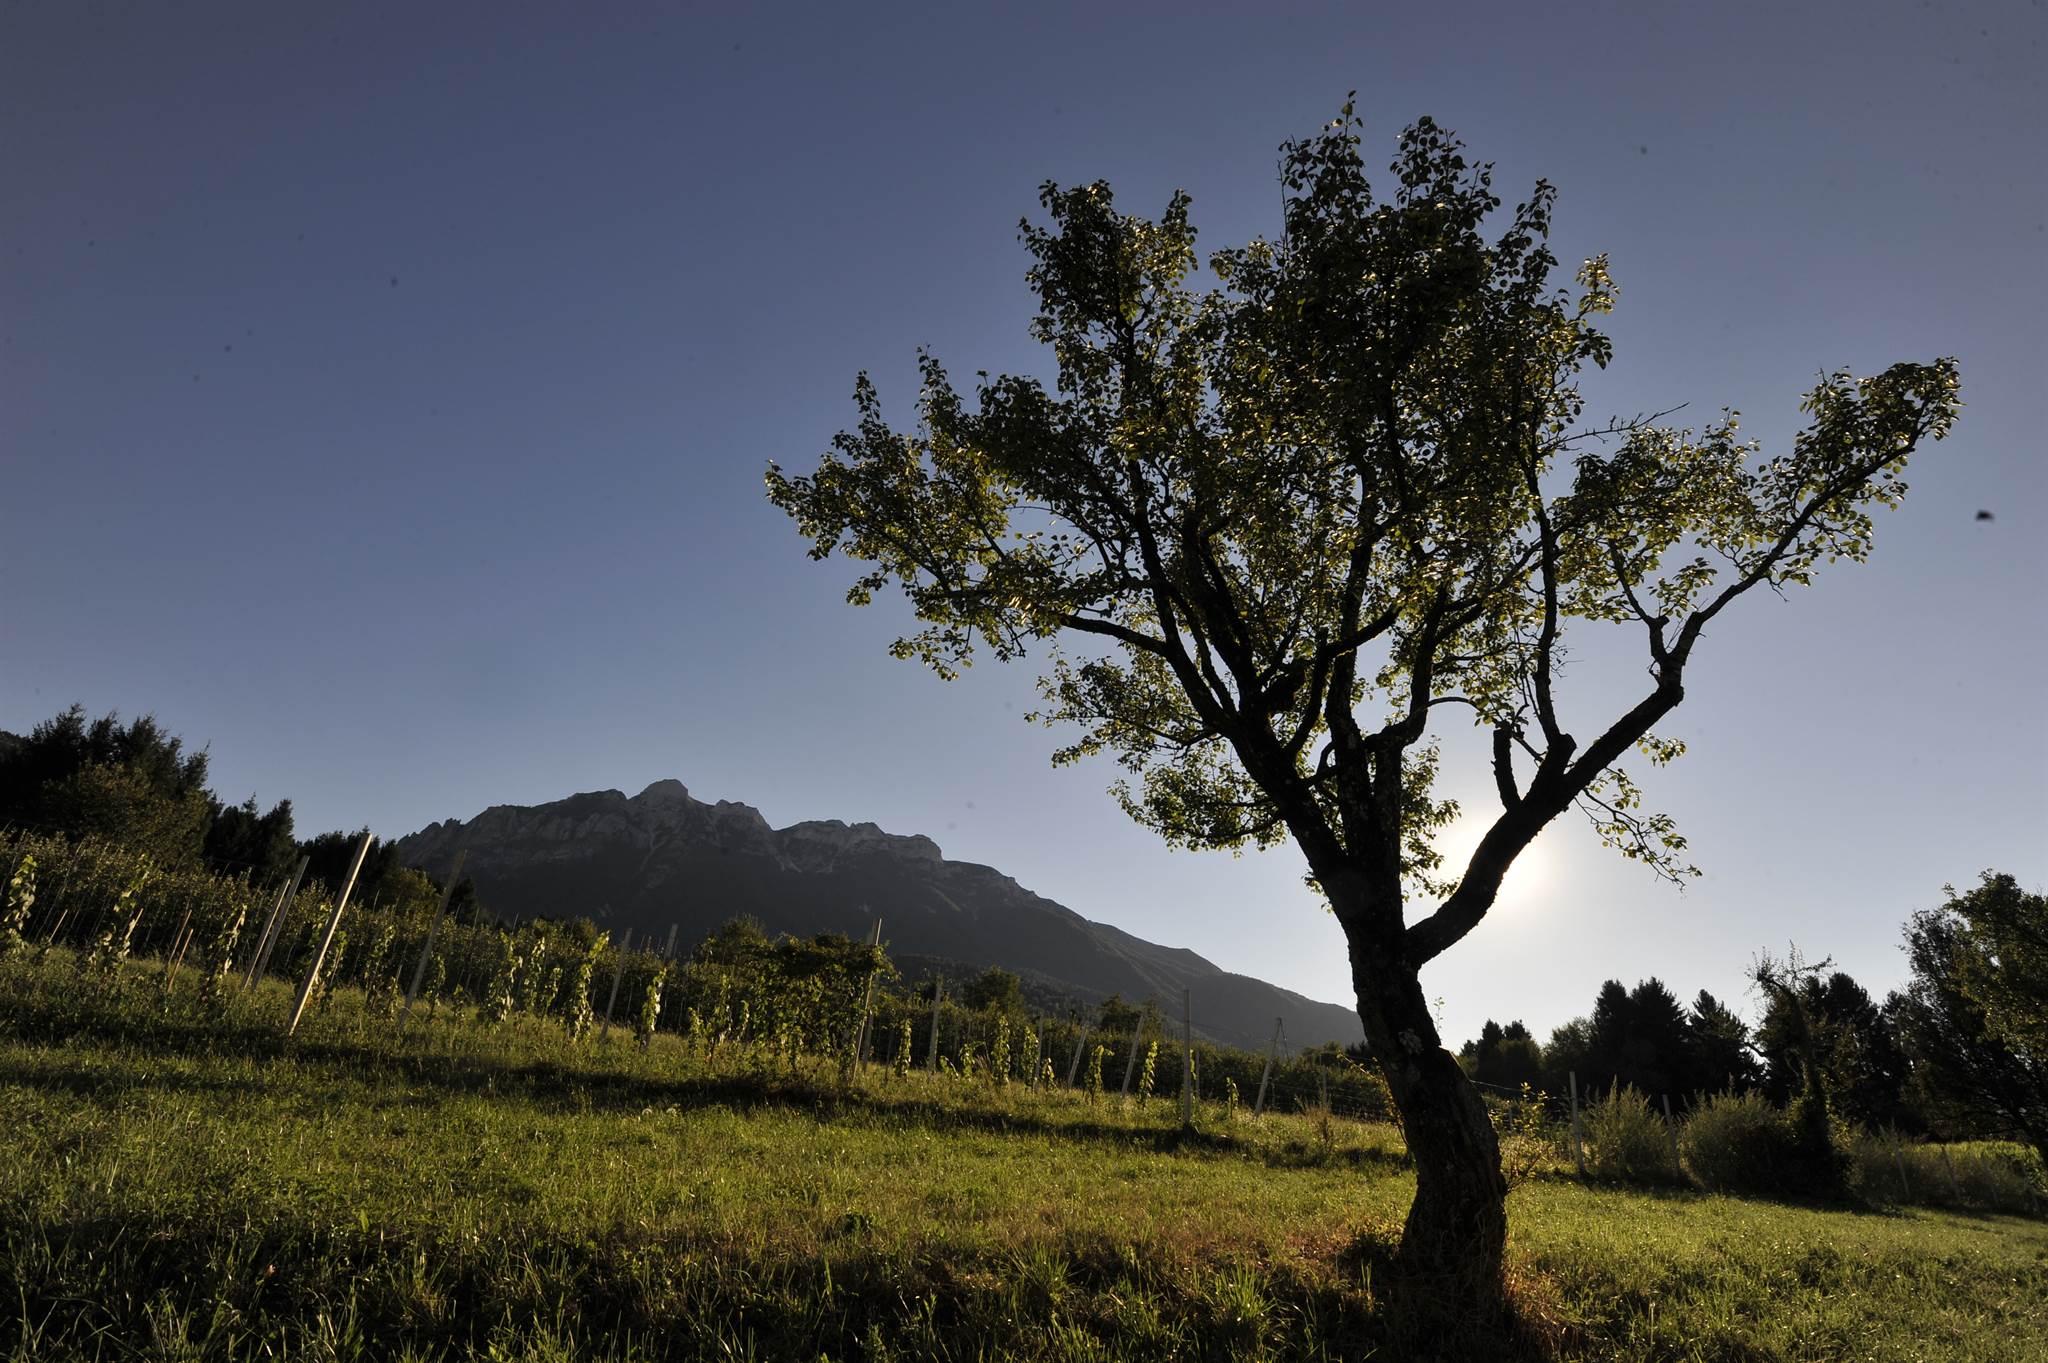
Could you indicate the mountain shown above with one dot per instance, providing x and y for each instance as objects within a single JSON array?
[{"x": 663, "y": 859}]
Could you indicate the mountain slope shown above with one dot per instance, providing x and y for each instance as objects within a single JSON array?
[{"x": 662, "y": 859}]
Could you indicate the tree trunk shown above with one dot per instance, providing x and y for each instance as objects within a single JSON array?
[{"x": 1457, "y": 1228}]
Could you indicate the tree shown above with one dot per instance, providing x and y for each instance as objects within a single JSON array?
[
  {"x": 1974, "y": 1079},
  {"x": 1505, "y": 1057},
  {"x": 1271, "y": 531},
  {"x": 1568, "y": 1052},
  {"x": 1818, "y": 1165},
  {"x": 242, "y": 838},
  {"x": 132, "y": 783},
  {"x": 1717, "y": 1049},
  {"x": 1117, "y": 1018},
  {"x": 2003, "y": 959},
  {"x": 995, "y": 990},
  {"x": 1860, "y": 1061}
]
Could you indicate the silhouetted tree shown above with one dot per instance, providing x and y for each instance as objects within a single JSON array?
[
  {"x": 241, "y": 838},
  {"x": 132, "y": 783},
  {"x": 329, "y": 856},
  {"x": 1860, "y": 1061},
  {"x": 1718, "y": 1056},
  {"x": 1972, "y": 1078},
  {"x": 1637, "y": 1037},
  {"x": 1507, "y": 1057},
  {"x": 1292, "y": 519},
  {"x": 1569, "y": 1051},
  {"x": 2002, "y": 959}
]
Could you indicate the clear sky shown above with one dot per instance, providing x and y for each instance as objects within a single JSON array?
[{"x": 385, "y": 392}]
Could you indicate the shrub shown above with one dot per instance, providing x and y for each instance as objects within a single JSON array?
[
  {"x": 1740, "y": 1143},
  {"x": 21, "y": 898},
  {"x": 1530, "y": 1134},
  {"x": 650, "y": 1006},
  {"x": 1987, "y": 1176},
  {"x": 1625, "y": 1139},
  {"x": 999, "y": 1052}
]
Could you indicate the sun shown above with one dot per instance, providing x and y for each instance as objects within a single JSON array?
[{"x": 1531, "y": 877}]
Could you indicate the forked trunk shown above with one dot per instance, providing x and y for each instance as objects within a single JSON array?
[{"x": 1456, "y": 1233}]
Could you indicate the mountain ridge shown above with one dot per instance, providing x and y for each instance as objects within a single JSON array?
[{"x": 663, "y": 858}]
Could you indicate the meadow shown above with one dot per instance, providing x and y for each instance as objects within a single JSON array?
[{"x": 177, "y": 1180}]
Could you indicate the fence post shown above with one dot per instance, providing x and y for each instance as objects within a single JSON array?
[
  {"x": 1578, "y": 1150},
  {"x": 1074, "y": 1065},
  {"x": 327, "y": 938},
  {"x": 1131, "y": 1060},
  {"x": 275, "y": 929},
  {"x": 668, "y": 953},
  {"x": 931, "y": 1055},
  {"x": 419, "y": 972},
  {"x": 1955, "y": 1187},
  {"x": 1187, "y": 1058},
  {"x": 1899, "y": 1163},
  {"x": 1266, "y": 1074},
  {"x": 618, "y": 974},
  {"x": 1671, "y": 1132}
]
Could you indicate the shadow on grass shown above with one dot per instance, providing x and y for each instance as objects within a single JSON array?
[
  {"x": 323, "y": 1057},
  {"x": 175, "y": 1280}
]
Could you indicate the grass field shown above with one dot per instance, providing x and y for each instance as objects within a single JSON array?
[{"x": 180, "y": 1185}]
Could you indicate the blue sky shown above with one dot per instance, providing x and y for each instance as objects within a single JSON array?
[{"x": 384, "y": 395}]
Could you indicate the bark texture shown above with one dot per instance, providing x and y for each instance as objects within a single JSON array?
[{"x": 1456, "y": 1232}]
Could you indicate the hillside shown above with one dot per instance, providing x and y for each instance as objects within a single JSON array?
[{"x": 663, "y": 859}]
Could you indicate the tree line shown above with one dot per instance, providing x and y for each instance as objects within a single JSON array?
[
  {"x": 136, "y": 784},
  {"x": 1960, "y": 1051}
]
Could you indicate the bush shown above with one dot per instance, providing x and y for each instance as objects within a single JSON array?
[
  {"x": 1987, "y": 1176},
  {"x": 1740, "y": 1143},
  {"x": 1625, "y": 1139}
]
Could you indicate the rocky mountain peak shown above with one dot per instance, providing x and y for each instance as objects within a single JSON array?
[{"x": 663, "y": 859}]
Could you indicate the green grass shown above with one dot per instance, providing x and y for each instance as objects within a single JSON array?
[{"x": 181, "y": 1186}]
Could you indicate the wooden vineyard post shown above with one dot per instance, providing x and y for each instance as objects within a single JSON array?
[
  {"x": 1671, "y": 1134},
  {"x": 1074, "y": 1065},
  {"x": 275, "y": 928},
  {"x": 1131, "y": 1060},
  {"x": 419, "y": 972},
  {"x": 327, "y": 938},
  {"x": 867, "y": 1004},
  {"x": 1187, "y": 1058},
  {"x": 618, "y": 974},
  {"x": 1266, "y": 1074},
  {"x": 1578, "y": 1150},
  {"x": 931, "y": 1055},
  {"x": 668, "y": 953},
  {"x": 178, "y": 943},
  {"x": 263, "y": 934}
]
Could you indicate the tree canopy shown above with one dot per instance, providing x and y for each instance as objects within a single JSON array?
[
  {"x": 1269, "y": 530},
  {"x": 1977, "y": 1071}
]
